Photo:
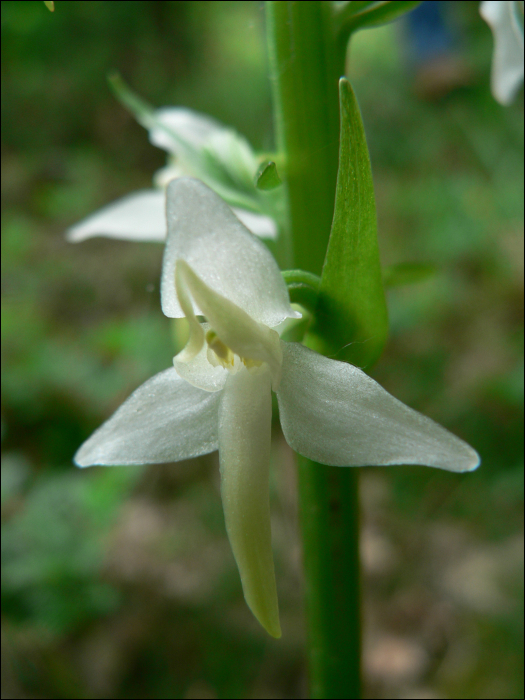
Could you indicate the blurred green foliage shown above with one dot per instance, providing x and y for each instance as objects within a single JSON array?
[{"x": 119, "y": 582}]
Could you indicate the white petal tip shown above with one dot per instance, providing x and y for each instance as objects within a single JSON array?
[
  {"x": 268, "y": 618},
  {"x": 88, "y": 456},
  {"x": 74, "y": 236},
  {"x": 82, "y": 461},
  {"x": 474, "y": 462},
  {"x": 139, "y": 216},
  {"x": 274, "y": 630},
  {"x": 460, "y": 457}
]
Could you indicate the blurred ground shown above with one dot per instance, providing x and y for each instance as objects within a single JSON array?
[{"x": 119, "y": 582}]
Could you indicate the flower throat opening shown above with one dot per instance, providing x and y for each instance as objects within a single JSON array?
[{"x": 220, "y": 354}]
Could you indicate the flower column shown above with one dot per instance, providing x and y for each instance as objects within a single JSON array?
[{"x": 306, "y": 62}]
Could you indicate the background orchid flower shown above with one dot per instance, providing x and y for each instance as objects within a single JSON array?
[
  {"x": 505, "y": 18},
  {"x": 218, "y": 394},
  {"x": 197, "y": 146}
]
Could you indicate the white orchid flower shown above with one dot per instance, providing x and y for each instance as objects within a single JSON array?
[
  {"x": 141, "y": 215},
  {"x": 506, "y": 21},
  {"x": 218, "y": 394}
]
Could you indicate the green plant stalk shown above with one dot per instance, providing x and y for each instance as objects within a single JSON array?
[
  {"x": 306, "y": 62},
  {"x": 330, "y": 529}
]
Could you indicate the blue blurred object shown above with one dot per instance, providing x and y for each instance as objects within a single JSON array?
[
  {"x": 432, "y": 52},
  {"x": 428, "y": 34}
]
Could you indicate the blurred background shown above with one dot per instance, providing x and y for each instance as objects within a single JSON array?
[{"x": 119, "y": 582}]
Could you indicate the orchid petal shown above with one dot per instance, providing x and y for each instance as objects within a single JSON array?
[
  {"x": 196, "y": 333},
  {"x": 245, "y": 415},
  {"x": 198, "y": 371},
  {"x": 507, "y": 62},
  {"x": 235, "y": 154},
  {"x": 203, "y": 231},
  {"x": 192, "y": 127},
  {"x": 164, "y": 420},
  {"x": 163, "y": 176},
  {"x": 259, "y": 224},
  {"x": 185, "y": 133},
  {"x": 332, "y": 412},
  {"x": 139, "y": 216},
  {"x": 235, "y": 328}
]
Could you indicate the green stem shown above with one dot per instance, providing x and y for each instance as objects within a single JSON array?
[
  {"x": 330, "y": 528},
  {"x": 306, "y": 62}
]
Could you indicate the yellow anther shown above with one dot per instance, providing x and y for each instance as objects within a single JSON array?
[
  {"x": 222, "y": 351},
  {"x": 222, "y": 355},
  {"x": 250, "y": 363}
]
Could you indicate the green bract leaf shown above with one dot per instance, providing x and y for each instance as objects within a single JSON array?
[
  {"x": 407, "y": 273},
  {"x": 351, "y": 311},
  {"x": 357, "y": 15},
  {"x": 267, "y": 177}
]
